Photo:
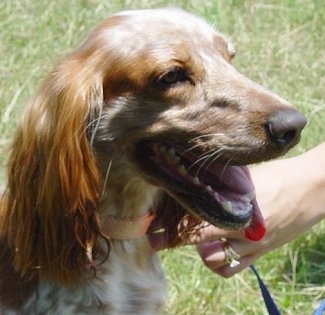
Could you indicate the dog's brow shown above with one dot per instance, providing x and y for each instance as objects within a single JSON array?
[{"x": 223, "y": 103}]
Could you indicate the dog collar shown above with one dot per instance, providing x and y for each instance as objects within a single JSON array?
[{"x": 128, "y": 228}]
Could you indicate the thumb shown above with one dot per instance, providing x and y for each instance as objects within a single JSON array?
[
  {"x": 211, "y": 233},
  {"x": 159, "y": 240}
]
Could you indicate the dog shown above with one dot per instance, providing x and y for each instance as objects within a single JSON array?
[{"x": 145, "y": 126}]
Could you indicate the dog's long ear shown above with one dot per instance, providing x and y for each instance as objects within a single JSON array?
[{"x": 50, "y": 216}]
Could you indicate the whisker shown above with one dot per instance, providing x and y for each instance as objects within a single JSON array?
[
  {"x": 94, "y": 126},
  {"x": 208, "y": 135},
  {"x": 225, "y": 166},
  {"x": 94, "y": 131},
  {"x": 211, "y": 154},
  {"x": 192, "y": 147},
  {"x": 205, "y": 155},
  {"x": 106, "y": 178},
  {"x": 200, "y": 137},
  {"x": 213, "y": 157}
]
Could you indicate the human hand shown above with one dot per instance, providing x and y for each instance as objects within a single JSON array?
[{"x": 213, "y": 252}]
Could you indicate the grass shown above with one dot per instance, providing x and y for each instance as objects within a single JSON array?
[{"x": 279, "y": 43}]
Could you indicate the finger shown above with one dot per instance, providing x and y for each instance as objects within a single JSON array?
[
  {"x": 212, "y": 254},
  {"x": 214, "y": 257},
  {"x": 207, "y": 250},
  {"x": 211, "y": 233},
  {"x": 226, "y": 271}
]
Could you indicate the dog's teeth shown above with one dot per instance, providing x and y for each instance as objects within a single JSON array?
[
  {"x": 182, "y": 170},
  {"x": 248, "y": 197},
  {"x": 208, "y": 188},
  {"x": 226, "y": 205},
  {"x": 196, "y": 180},
  {"x": 170, "y": 155}
]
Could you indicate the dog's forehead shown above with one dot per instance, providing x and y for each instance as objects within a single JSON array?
[
  {"x": 162, "y": 29},
  {"x": 168, "y": 19}
]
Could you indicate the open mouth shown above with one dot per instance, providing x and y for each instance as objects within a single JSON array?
[{"x": 221, "y": 194}]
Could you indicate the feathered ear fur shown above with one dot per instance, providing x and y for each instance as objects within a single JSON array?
[{"x": 49, "y": 217}]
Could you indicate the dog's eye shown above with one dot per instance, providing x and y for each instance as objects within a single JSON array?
[{"x": 172, "y": 77}]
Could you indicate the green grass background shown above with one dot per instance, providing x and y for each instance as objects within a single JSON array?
[{"x": 280, "y": 44}]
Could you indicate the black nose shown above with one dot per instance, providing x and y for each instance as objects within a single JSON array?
[{"x": 285, "y": 126}]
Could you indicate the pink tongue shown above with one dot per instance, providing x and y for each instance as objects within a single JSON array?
[{"x": 238, "y": 179}]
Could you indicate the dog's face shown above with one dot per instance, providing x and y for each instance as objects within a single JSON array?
[{"x": 184, "y": 117}]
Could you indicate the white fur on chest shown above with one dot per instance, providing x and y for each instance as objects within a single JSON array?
[{"x": 122, "y": 286}]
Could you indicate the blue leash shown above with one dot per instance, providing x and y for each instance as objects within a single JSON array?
[
  {"x": 269, "y": 302},
  {"x": 320, "y": 309}
]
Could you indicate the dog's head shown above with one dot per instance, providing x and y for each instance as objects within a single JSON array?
[
  {"x": 155, "y": 91},
  {"x": 185, "y": 117}
]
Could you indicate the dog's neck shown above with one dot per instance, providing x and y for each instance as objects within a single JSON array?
[
  {"x": 127, "y": 199},
  {"x": 128, "y": 228}
]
